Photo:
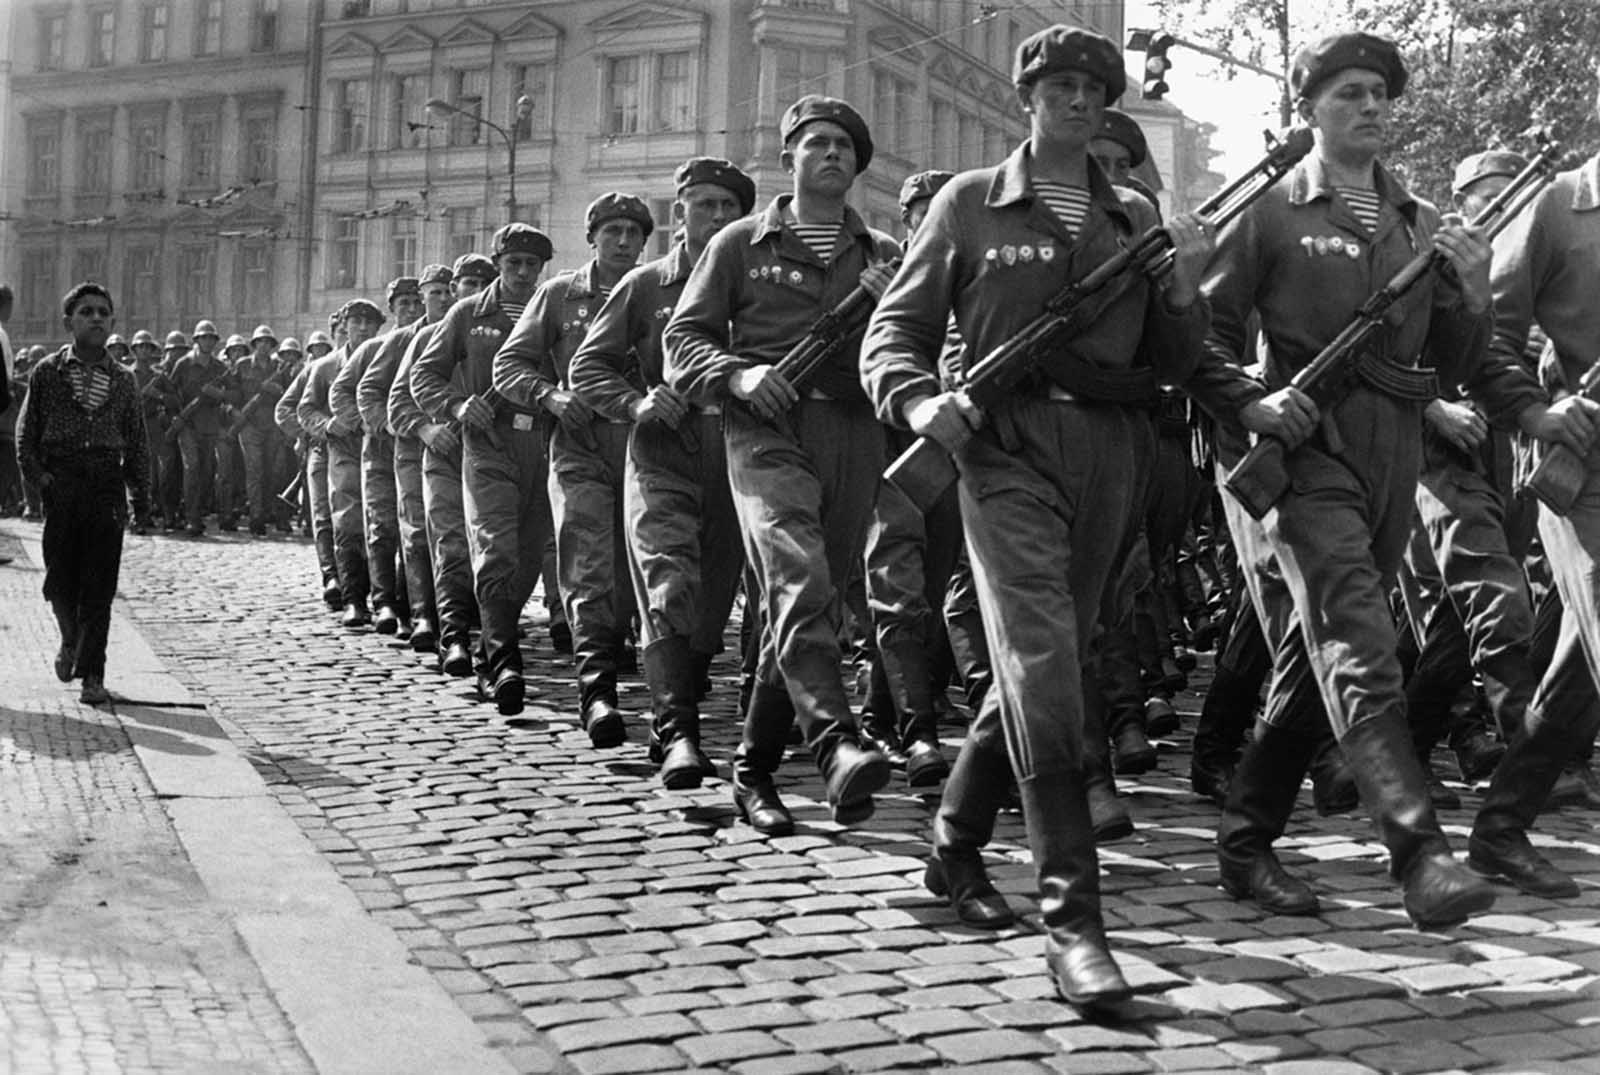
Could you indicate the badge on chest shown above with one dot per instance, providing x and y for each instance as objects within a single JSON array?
[
  {"x": 775, "y": 274},
  {"x": 1025, "y": 254},
  {"x": 1336, "y": 246}
]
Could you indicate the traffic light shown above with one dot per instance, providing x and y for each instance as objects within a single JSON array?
[{"x": 1156, "y": 66}]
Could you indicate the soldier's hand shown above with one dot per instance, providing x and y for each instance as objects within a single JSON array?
[
  {"x": 440, "y": 438},
  {"x": 569, "y": 410},
  {"x": 875, "y": 278},
  {"x": 1457, "y": 423},
  {"x": 662, "y": 405},
  {"x": 766, "y": 390},
  {"x": 476, "y": 412},
  {"x": 949, "y": 418},
  {"x": 1287, "y": 415},
  {"x": 1469, "y": 253},
  {"x": 336, "y": 427},
  {"x": 211, "y": 391},
  {"x": 1193, "y": 243},
  {"x": 1572, "y": 423}
]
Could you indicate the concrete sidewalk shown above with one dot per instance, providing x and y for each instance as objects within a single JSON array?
[{"x": 159, "y": 911}]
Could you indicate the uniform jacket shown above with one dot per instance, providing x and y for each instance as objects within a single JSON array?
[
  {"x": 458, "y": 361},
  {"x": 536, "y": 357},
  {"x": 1300, "y": 258},
  {"x": 342, "y": 391},
  {"x": 189, "y": 375},
  {"x": 258, "y": 375},
  {"x": 406, "y": 419},
  {"x": 755, "y": 292},
  {"x": 313, "y": 409},
  {"x": 992, "y": 253},
  {"x": 372, "y": 391},
  {"x": 285, "y": 411},
  {"x": 54, "y": 429},
  {"x": 621, "y": 354}
]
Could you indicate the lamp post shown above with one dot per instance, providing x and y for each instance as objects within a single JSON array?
[{"x": 524, "y": 108}]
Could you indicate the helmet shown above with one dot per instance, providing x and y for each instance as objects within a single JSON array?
[
  {"x": 176, "y": 341},
  {"x": 115, "y": 340},
  {"x": 142, "y": 337},
  {"x": 318, "y": 336},
  {"x": 263, "y": 333},
  {"x": 290, "y": 346},
  {"x": 205, "y": 328},
  {"x": 236, "y": 340}
]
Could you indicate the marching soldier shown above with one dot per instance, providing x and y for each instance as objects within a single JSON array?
[
  {"x": 170, "y": 465},
  {"x": 587, "y": 455},
  {"x": 285, "y": 453},
  {"x": 155, "y": 395},
  {"x": 201, "y": 379},
  {"x": 259, "y": 387},
  {"x": 503, "y": 455},
  {"x": 319, "y": 512},
  {"x": 803, "y": 463},
  {"x": 683, "y": 538},
  {"x": 118, "y": 349}
]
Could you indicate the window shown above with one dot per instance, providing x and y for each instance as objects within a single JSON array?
[
  {"x": 466, "y": 93},
  {"x": 52, "y": 42},
  {"x": 195, "y": 282},
  {"x": 255, "y": 277},
  {"x": 200, "y": 151},
  {"x": 144, "y": 284},
  {"x": 408, "y": 119},
  {"x": 39, "y": 292},
  {"x": 344, "y": 252},
  {"x": 149, "y": 152},
  {"x": 403, "y": 244},
  {"x": 94, "y": 156},
  {"x": 970, "y": 141},
  {"x": 647, "y": 93},
  {"x": 153, "y": 33},
  {"x": 799, "y": 72},
  {"x": 942, "y": 135},
  {"x": 264, "y": 26},
  {"x": 661, "y": 237},
  {"x": 461, "y": 226},
  {"x": 350, "y": 115},
  {"x": 532, "y": 81},
  {"x": 622, "y": 95},
  {"x": 260, "y": 134},
  {"x": 893, "y": 102},
  {"x": 102, "y": 37},
  {"x": 44, "y": 157},
  {"x": 674, "y": 94},
  {"x": 994, "y": 144},
  {"x": 208, "y": 28},
  {"x": 89, "y": 263}
]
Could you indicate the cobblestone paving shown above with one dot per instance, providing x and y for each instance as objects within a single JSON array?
[
  {"x": 578, "y": 911},
  {"x": 111, "y": 959}
]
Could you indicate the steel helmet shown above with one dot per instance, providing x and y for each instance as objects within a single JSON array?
[
  {"x": 176, "y": 341},
  {"x": 263, "y": 333},
  {"x": 236, "y": 340},
  {"x": 143, "y": 336},
  {"x": 290, "y": 346},
  {"x": 205, "y": 328},
  {"x": 115, "y": 340}
]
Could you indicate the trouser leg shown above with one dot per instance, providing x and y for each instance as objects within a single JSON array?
[
  {"x": 412, "y": 519},
  {"x": 349, "y": 528},
  {"x": 449, "y": 546},
  {"x": 380, "y": 518}
]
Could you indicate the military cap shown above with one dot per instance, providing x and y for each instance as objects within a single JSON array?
[
  {"x": 205, "y": 328},
  {"x": 1117, "y": 126},
  {"x": 813, "y": 107},
  {"x": 236, "y": 340},
  {"x": 1067, "y": 48},
  {"x": 365, "y": 309},
  {"x": 318, "y": 337},
  {"x": 400, "y": 287},
  {"x": 435, "y": 274},
  {"x": 517, "y": 238},
  {"x": 474, "y": 265},
  {"x": 1316, "y": 63},
  {"x": 263, "y": 332},
  {"x": 114, "y": 340},
  {"x": 143, "y": 336},
  {"x": 1483, "y": 165},
  {"x": 610, "y": 206},
  {"x": 176, "y": 341},
  {"x": 919, "y": 186},
  {"x": 290, "y": 346},
  {"x": 717, "y": 171}
]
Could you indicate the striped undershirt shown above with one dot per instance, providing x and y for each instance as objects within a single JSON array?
[
  {"x": 819, "y": 237},
  {"x": 1070, "y": 204},
  {"x": 90, "y": 384},
  {"x": 513, "y": 309},
  {"x": 1363, "y": 203}
]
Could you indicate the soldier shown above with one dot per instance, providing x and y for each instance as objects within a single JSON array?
[
  {"x": 380, "y": 516},
  {"x": 372, "y": 399},
  {"x": 314, "y": 449},
  {"x": 1052, "y": 484},
  {"x": 201, "y": 379},
  {"x": 259, "y": 387},
  {"x": 360, "y": 322},
  {"x": 170, "y": 464},
  {"x": 284, "y": 454},
  {"x": 503, "y": 456},
  {"x": 155, "y": 395},
  {"x": 683, "y": 538},
  {"x": 586, "y": 455},
  {"x": 444, "y": 513},
  {"x": 1319, "y": 564},
  {"x": 118, "y": 349},
  {"x": 802, "y": 462}
]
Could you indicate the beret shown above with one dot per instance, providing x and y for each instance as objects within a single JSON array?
[
  {"x": 1118, "y": 126},
  {"x": 435, "y": 274},
  {"x": 720, "y": 172},
  {"x": 1483, "y": 165},
  {"x": 364, "y": 309},
  {"x": 610, "y": 206},
  {"x": 516, "y": 238},
  {"x": 401, "y": 286},
  {"x": 1067, "y": 48},
  {"x": 474, "y": 265},
  {"x": 813, "y": 107},
  {"x": 919, "y": 186},
  {"x": 1317, "y": 62}
]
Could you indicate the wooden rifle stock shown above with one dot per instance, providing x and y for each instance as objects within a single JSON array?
[
  {"x": 181, "y": 420},
  {"x": 1559, "y": 478}
]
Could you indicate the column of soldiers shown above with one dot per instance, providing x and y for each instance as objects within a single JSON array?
[{"x": 643, "y": 436}]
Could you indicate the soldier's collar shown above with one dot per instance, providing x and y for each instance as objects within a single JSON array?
[
  {"x": 1586, "y": 194},
  {"x": 771, "y": 220},
  {"x": 1013, "y": 184},
  {"x": 1309, "y": 181}
]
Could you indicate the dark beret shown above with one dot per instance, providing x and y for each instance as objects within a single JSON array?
[
  {"x": 516, "y": 238},
  {"x": 721, "y": 173},
  {"x": 1067, "y": 48},
  {"x": 1483, "y": 165},
  {"x": 435, "y": 274},
  {"x": 1318, "y": 62},
  {"x": 401, "y": 286},
  {"x": 474, "y": 265},
  {"x": 919, "y": 186},
  {"x": 813, "y": 107},
  {"x": 610, "y": 206},
  {"x": 1118, "y": 126},
  {"x": 363, "y": 308}
]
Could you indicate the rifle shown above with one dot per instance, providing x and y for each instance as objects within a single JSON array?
[
  {"x": 1560, "y": 476},
  {"x": 924, "y": 471},
  {"x": 291, "y": 492},
  {"x": 1260, "y": 479},
  {"x": 185, "y": 416}
]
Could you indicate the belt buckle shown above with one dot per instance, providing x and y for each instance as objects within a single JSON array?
[{"x": 522, "y": 422}]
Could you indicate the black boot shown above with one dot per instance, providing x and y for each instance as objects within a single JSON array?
[
  {"x": 1439, "y": 891},
  {"x": 1080, "y": 964},
  {"x": 926, "y": 766},
  {"x": 760, "y": 751},
  {"x": 669, "y": 670},
  {"x": 1107, "y": 812},
  {"x": 595, "y": 655},
  {"x": 917, "y": 726},
  {"x": 1261, "y": 798},
  {"x": 1333, "y": 785},
  {"x": 879, "y": 724},
  {"x": 1225, "y": 718},
  {"x": 964, "y": 823},
  {"x": 1499, "y": 844}
]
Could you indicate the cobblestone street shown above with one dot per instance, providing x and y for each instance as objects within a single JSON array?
[{"x": 586, "y": 920}]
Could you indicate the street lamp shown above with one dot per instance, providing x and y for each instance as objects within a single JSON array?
[{"x": 438, "y": 106}]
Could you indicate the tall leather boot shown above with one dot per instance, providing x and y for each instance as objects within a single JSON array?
[
  {"x": 964, "y": 824},
  {"x": 669, "y": 670},
  {"x": 822, "y": 709},
  {"x": 1333, "y": 785},
  {"x": 1261, "y": 798},
  {"x": 879, "y": 724},
  {"x": 969, "y": 647},
  {"x": 1439, "y": 891},
  {"x": 760, "y": 752},
  {"x": 1107, "y": 812},
  {"x": 1225, "y": 718},
  {"x": 1079, "y": 962},
  {"x": 501, "y": 675},
  {"x": 905, "y": 665},
  {"x": 595, "y": 654},
  {"x": 1499, "y": 844}
]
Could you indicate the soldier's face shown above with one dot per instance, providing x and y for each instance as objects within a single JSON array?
[
  {"x": 145, "y": 353},
  {"x": 916, "y": 214},
  {"x": 206, "y": 345},
  {"x": 90, "y": 321},
  {"x": 618, "y": 243},
  {"x": 406, "y": 308},
  {"x": 822, "y": 158},
  {"x": 1066, "y": 106},
  {"x": 1472, "y": 201},
  {"x": 359, "y": 329},
  {"x": 520, "y": 272},
  {"x": 1113, "y": 157},
  {"x": 263, "y": 348},
  {"x": 468, "y": 285},
  {"x": 704, "y": 209},
  {"x": 435, "y": 300},
  {"x": 1350, "y": 114}
]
